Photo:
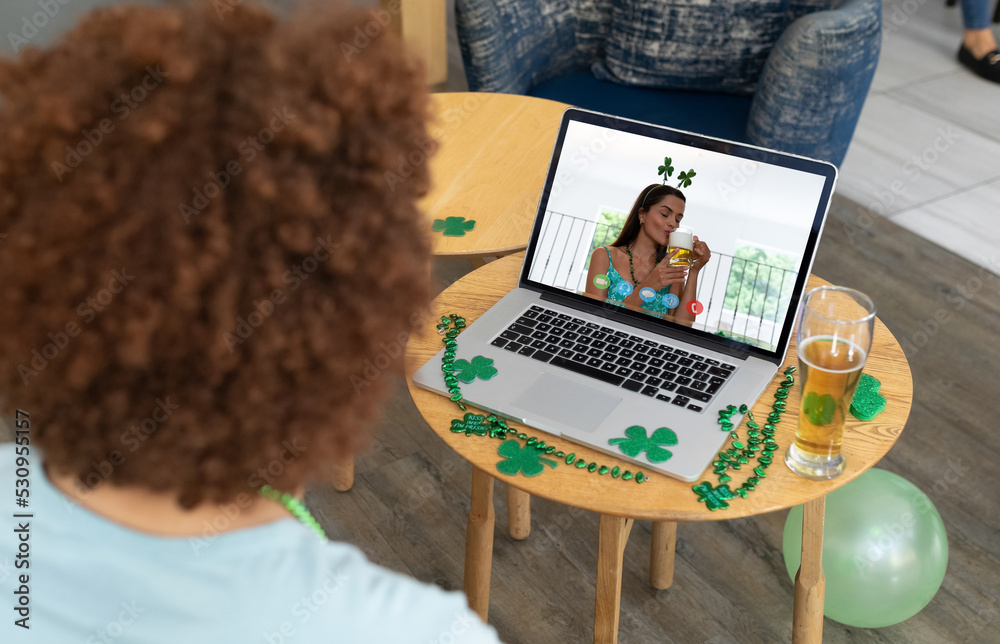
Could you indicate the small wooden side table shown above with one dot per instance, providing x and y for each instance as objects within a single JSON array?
[
  {"x": 662, "y": 500},
  {"x": 489, "y": 167}
]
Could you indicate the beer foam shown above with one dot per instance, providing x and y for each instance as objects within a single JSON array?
[{"x": 681, "y": 239}]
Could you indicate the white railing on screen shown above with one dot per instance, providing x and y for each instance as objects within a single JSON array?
[{"x": 758, "y": 293}]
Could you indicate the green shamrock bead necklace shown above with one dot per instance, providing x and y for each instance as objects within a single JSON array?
[
  {"x": 521, "y": 460},
  {"x": 739, "y": 454},
  {"x": 296, "y": 507},
  {"x": 496, "y": 427}
]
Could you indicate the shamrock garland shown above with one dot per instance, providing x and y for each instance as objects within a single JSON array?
[
  {"x": 759, "y": 438},
  {"x": 526, "y": 460},
  {"x": 480, "y": 367},
  {"x": 453, "y": 226},
  {"x": 667, "y": 170},
  {"x": 471, "y": 424},
  {"x": 522, "y": 460},
  {"x": 496, "y": 427},
  {"x": 637, "y": 442},
  {"x": 713, "y": 497}
]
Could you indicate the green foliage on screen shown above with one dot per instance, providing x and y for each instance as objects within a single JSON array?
[
  {"x": 760, "y": 282},
  {"x": 608, "y": 227}
]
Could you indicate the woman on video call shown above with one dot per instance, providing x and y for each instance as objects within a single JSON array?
[{"x": 640, "y": 255}]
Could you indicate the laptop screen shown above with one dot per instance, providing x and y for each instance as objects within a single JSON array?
[{"x": 609, "y": 234}]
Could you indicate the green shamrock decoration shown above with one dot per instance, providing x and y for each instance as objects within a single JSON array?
[
  {"x": 714, "y": 498},
  {"x": 819, "y": 409},
  {"x": 526, "y": 460},
  {"x": 453, "y": 226},
  {"x": 471, "y": 424},
  {"x": 666, "y": 169},
  {"x": 867, "y": 402},
  {"x": 637, "y": 442},
  {"x": 480, "y": 367}
]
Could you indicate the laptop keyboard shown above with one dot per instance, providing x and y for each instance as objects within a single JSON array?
[{"x": 671, "y": 375}]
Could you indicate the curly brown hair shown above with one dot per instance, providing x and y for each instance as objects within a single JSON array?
[{"x": 202, "y": 249}]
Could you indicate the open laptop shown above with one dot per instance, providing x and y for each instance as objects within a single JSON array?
[{"x": 588, "y": 369}]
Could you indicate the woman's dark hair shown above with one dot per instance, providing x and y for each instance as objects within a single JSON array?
[
  {"x": 207, "y": 271},
  {"x": 649, "y": 197}
]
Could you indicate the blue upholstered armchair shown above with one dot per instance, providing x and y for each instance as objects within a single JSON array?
[{"x": 785, "y": 74}]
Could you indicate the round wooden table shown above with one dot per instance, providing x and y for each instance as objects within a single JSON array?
[
  {"x": 489, "y": 167},
  {"x": 661, "y": 499}
]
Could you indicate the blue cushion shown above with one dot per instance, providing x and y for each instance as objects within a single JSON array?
[
  {"x": 816, "y": 80},
  {"x": 680, "y": 44},
  {"x": 714, "y": 114},
  {"x": 510, "y": 45}
]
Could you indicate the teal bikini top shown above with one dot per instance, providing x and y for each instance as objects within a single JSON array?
[{"x": 620, "y": 288}]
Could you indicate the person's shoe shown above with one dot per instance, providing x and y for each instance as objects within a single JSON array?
[{"x": 988, "y": 66}]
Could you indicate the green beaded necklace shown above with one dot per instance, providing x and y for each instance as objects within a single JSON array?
[
  {"x": 759, "y": 439},
  {"x": 739, "y": 454},
  {"x": 296, "y": 507},
  {"x": 631, "y": 270},
  {"x": 496, "y": 427}
]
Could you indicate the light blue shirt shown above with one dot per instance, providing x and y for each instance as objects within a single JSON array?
[{"x": 94, "y": 581}]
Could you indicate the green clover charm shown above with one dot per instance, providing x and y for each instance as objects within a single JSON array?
[
  {"x": 526, "y": 460},
  {"x": 637, "y": 442},
  {"x": 666, "y": 169},
  {"x": 480, "y": 367},
  {"x": 684, "y": 178},
  {"x": 453, "y": 226},
  {"x": 714, "y": 498},
  {"x": 471, "y": 424},
  {"x": 867, "y": 402},
  {"x": 819, "y": 409}
]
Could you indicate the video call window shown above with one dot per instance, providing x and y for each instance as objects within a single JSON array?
[{"x": 754, "y": 217}]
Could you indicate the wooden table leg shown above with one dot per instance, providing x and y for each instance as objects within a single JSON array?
[
  {"x": 343, "y": 472},
  {"x": 477, "y": 261},
  {"x": 518, "y": 513},
  {"x": 614, "y": 533},
  {"x": 479, "y": 543},
  {"x": 661, "y": 554},
  {"x": 810, "y": 584}
]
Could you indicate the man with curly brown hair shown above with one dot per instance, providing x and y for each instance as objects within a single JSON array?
[{"x": 200, "y": 251}]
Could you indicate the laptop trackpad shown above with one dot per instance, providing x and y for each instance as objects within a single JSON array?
[{"x": 568, "y": 402}]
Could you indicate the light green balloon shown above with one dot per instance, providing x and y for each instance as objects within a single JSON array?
[{"x": 885, "y": 550}]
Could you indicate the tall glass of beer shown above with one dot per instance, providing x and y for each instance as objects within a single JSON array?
[
  {"x": 834, "y": 337},
  {"x": 681, "y": 240}
]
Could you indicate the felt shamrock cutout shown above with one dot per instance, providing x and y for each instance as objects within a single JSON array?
[
  {"x": 713, "y": 497},
  {"x": 471, "y": 424},
  {"x": 666, "y": 169},
  {"x": 819, "y": 409},
  {"x": 526, "y": 460},
  {"x": 684, "y": 178},
  {"x": 480, "y": 367},
  {"x": 867, "y": 402},
  {"x": 453, "y": 226},
  {"x": 637, "y": 442}
]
